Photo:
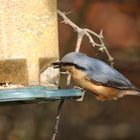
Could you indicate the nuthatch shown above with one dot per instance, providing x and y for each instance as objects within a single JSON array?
[{"x": 96, "y": 76}]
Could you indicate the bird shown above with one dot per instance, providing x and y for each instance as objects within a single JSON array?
[{"x": 96, "y": 76}]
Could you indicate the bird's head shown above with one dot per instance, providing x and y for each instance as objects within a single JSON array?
[{"x": 73, "y": 59}]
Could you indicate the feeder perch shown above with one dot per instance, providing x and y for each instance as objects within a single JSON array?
[{"x": 36, "y": 94}]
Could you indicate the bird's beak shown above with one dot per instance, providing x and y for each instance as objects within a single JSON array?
[{"x": 56, "y": 64}]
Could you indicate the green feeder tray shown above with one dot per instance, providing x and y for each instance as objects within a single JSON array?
[{"x": 37, "y": 94}]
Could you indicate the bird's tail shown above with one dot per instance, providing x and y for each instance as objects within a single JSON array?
[{"x": 133, "y": 92}]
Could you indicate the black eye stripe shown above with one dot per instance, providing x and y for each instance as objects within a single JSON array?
[{"x": 72, "y": 64}]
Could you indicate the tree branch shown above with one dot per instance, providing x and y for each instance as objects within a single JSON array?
[
  {"x": 56, "y": 126},
  {"x": 88, "y": 33}
]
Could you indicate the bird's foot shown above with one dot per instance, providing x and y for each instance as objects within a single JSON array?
[{"x": 83, "y": 93}]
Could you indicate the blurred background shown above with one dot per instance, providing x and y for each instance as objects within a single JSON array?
[{"x": 90, "y": 119}]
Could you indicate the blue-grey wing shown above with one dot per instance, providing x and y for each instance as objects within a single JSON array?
[{"x": 100, "y": 72}]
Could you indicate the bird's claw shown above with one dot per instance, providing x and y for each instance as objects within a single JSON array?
[
  {"x": 76, "y": 87},
  {"x": 83, "y": 93}
]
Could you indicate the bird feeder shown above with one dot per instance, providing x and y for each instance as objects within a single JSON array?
[
  {"x": 28, "y": 39},
  {"x": 28, "y": 44}
]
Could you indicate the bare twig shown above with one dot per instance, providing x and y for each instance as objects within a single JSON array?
[
  {"x": 79, "y": 41},
  {"x": 56, "y": 126},
  {"x": 88, "y": 33}
]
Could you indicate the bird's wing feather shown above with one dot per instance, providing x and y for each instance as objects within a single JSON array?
[
  {"x": 97, "y": 71},
  {"x": 102, "y": 73}
]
